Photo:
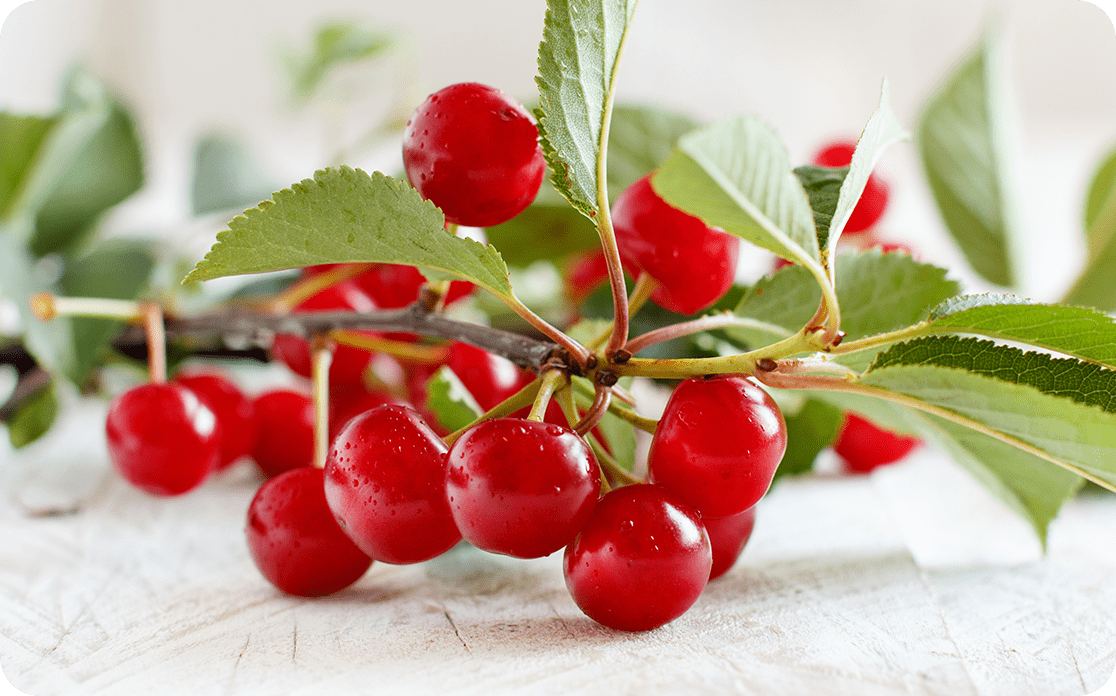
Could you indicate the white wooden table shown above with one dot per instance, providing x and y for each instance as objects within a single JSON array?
[{"x": 910, "y": 581}]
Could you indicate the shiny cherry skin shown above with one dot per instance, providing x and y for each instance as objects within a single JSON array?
[
  {"x": 234, "y": 411},
  {"x": 294, "y": 540},
  {"x": 728, "y": 535},
  {"x": 474, "y": 152},
  {"x": 873, "y": 201},
  {"x": 864, "y": 446},
  {"x": 348, "y": 363},
  {"x": 641, "y": 561},
  {"x": 718, "y": 444},
  {"x": 284, "y": 431},
  {"x": 694, "y": 264},
  {"x": 348, "y": 403},
  {"x": 489, "y": 378},
  {"x": 385, "y": 480},
  {"x": 521, "y": 488},
  {"x": 392, "y": 285},
  {"x": 162, "y": 439}
]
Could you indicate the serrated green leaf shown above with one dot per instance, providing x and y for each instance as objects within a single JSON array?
[
  {"x": 34, "y": 418},
  {"x": 344, "y": 216},
  {"x": 226, "y": 177},
  {"x": 881, "y": 131},
  {"x": 106, "y": 170},
  {"x": 578, "y": 57},
  {"x": 809, "y": 431},
  {"x": 450, "y": 401},
  {"x": 335, "y": 44},
  {"x": 20, "y": 140},
  {"x": 736, "y": 175},
  {"x": 640, "y": 138},
  {"x": 1079, "y": 332},
  {"x": 823, "y": 188},
  {"x": 1031, "y": 486},
  {"x": 879, "y": 292},
  {"x": 1094, "y": 286},
  {"x": 1054, "y": 408},
  {"x": 965, "y": 143}
]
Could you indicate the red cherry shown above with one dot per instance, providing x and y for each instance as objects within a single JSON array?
[
  {"x": 346, "y": 404},
  {"x": 641, "y": 561},
  {"x": 392, "y": 285},
  {"x": 718, "y": 444},
  {"x": 348, "y": 363},
  {"x": 385, "y": 481},
  {"x": 521, "y": 488},
  {"x": 284, "y": 431},
  {"x": 694, "y": 264},
  {"x": 863, "y": 445},
  {"x": 474, "y": 152},
  {"x": 294, "y": 540},
  {"x": 489, "y": 378},
  {"x": 873, "y": 201},
  {"x": 584, "y": 274},
  {"x": 232, "y": 408},
  {"x": 162, "y": 439},
  {"x": 728, "y": 535}
]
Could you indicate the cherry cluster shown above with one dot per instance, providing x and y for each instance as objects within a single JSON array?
[{"x": 395, "y": 487}]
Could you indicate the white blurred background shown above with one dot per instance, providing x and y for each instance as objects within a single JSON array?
[{"x": 812, "y": 68}]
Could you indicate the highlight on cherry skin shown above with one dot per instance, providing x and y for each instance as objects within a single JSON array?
[
  {"x": 641, "y": 561},
  {"x": 233, "y": 410},
  {"x": 474, "y": 152},
  {"x": 162, "y": 439},
  {"x": 716, "y": 469},
  {"x": 385, "y": 482},
  {"x": 694, "y": 264},
  {"x": 521, "y": 488}
]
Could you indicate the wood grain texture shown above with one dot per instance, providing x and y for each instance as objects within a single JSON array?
[{"x": 910, "y": 581}]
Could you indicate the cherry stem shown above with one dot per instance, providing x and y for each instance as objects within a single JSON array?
[
  {"x": 523, "y": 397},
  {"x": 601, "y": 399},
  {"x": 411, "y": 352},
  {"x": 47, "y": 306},
  {"x": 645, "y": 424},
  {"x": 550, "y": 382},
  {"x": 323, "y": 357},
  {"x": 741, "y": 363},
  {"x": 688, "y": 328},
  {"x": 578, "y": 352},
  {"x": 644, "y": 286},
  {"x": 308, "y": 286},
  {"x": 156, "y": 342}
]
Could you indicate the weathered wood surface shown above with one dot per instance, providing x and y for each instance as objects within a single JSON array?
[{"x": 911, "y": 581}]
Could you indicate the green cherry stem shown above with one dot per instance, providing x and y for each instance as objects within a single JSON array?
[
  {"x": 156, "y": 342},
  {"x": 710, "y": 322},
  {"x": 742, "y": 363},
  {"x": 322, "y": 358},
  {"x": 523, "y": 397},
  {"x": 551, "y": 381},
  {"x": 578, "y": 352}
]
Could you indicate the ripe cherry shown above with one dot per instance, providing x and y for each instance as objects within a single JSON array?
[
  {"x": 521, "y": 488},
  {"x": 346, "y": 403},
  {"x": 864, "y": 446},
  {"x": 385, "y": 480},
  {"x": 234, "y": 412},
  {"x": 162, "y": 438},
  {"x": 294, "y": 540},
  {"x": 873, "y": 201},
  {"x": 474, "y": 152},
  {"x": 728, "y": 535},
  {"x": 489, "y": 378},
  {"x": 694, "y": 264},
  {"x": 348, "y": 363},
  {"x": 392, "y": 285},
  {"x": 284, "y": 431},
  {"x": 718, "y": 444},
  {"x": 641, "y": 561}
]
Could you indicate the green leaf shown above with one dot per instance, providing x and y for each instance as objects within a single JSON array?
[
  {"x": 21, "y": 137},
  {"x": 226, "y": 177},
  {"x": 1094, "y": 286},
  {"x": 335, "y": 44},
  {"x": 965, "y": 143},
  {"x": 1027, "y": 484},
  {"x": 809, "y": 431},
  {"x": 736, "y": 175},
  {"x": 1062, "y": 410},
  {"x": 879, "y": 292},
  {"x": 881, "y": 131},
  {"x": 640, "y": 138},
  {"x": 34, "y": 417},
  {"x": 578, "y": 57},
  {"x": 116, "y": 269},
  {"x": 346, "y": 215},
  {"x": 107, "y": 169},
  {"x": 1079, "y": 332},
  {"x": 451, "y": 401},
  {"x": 823, "y": 188}
]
